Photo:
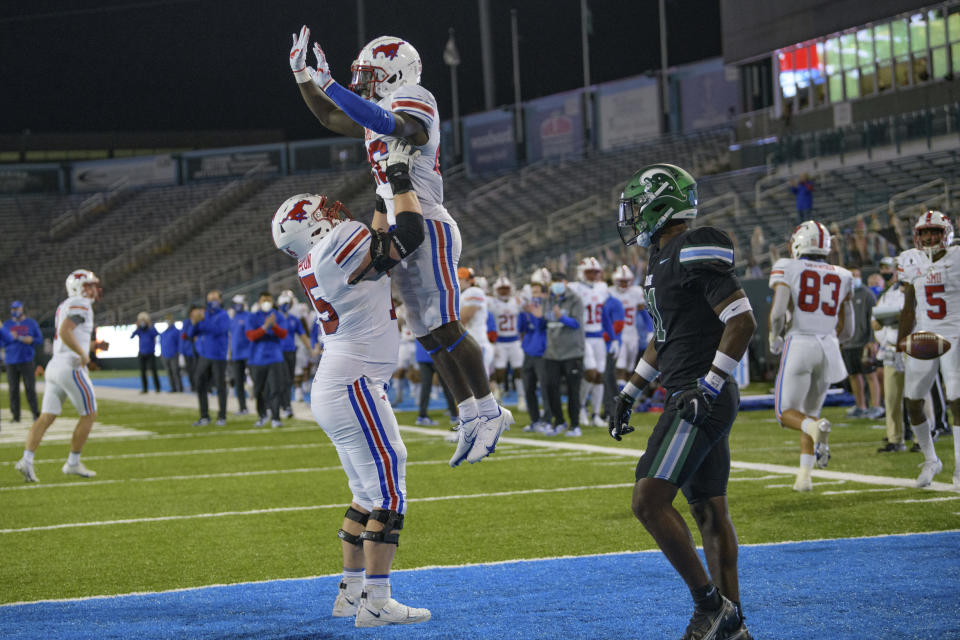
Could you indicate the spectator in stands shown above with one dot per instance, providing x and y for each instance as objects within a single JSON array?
[
  {"x": 239, "y": 349},
  {"x": 188, "y": 349},
  {"x": 533, "y": 329},
  {"x": 803, "y": 192},
  {"x": 427, "y": 373},
  {"x": 147, "y": 347},
  {"x": 211, "y": 328},
  {"x": 267, "y": 367},
  {"x": 564, "y": 353},
  {"x": 758, "y": 244},
  {"x": 886, "y": 317},
  {"x": 291, "y": 322},
  {"x": 170, "y": 354},
  {"x": 853, "y": 352},
  {"x": 19, "y": 353}
]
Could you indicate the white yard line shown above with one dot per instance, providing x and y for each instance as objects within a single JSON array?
[
  {"x": 790, "y": 486},
  {"x": 220, "y": 514},
  {"x": 189, "y": 452},
  {"x": 846, "y": 491},
  {"x": 921, "y": 500}
]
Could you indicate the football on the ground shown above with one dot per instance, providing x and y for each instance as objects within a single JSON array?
[{"x": 925, "y": 345}]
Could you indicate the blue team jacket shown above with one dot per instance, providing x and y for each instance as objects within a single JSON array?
[
  {"x": 148, "y": 339},
  {"x": 16, "y": 351},
  {"x": 534, "y": 332},
  {"x": 211, "y": 333},
  {"x": 170, "y": 342},
  {"x": 239, "y": 343},
  {"x": 266, "y": 348}
]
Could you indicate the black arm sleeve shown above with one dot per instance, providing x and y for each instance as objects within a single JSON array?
[{"x": 406, "y": 237}]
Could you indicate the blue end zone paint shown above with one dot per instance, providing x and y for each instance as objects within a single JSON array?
[{"x": 891, "y": 587}]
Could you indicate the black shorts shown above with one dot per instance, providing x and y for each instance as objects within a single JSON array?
[
  {"x": 853, "y": 361},
  {"x": 695, "y": 459}
]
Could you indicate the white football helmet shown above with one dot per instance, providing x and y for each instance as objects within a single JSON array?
[
  {"x": 593, "y": 265},
  {"x": 934, "y": 220},
  {"x": 77, "y": 285},
  {"x": 624, "y": 275},
  {"x": 540, "y": 276},
  {"x": 503, "y": 282},
  {"x": 303, "y": 220},
  {"x": 285, "y": 298},
  {"x": 384, "y": 65},
  {"x": 810, "y": 239},
  {"x": 482, "y": 283}
]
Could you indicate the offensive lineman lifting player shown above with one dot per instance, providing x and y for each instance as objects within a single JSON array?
[
  {"x": 342, "y": 265},
  {"x": 385, "y": 101},
  {"x": 696, "y": 302}
]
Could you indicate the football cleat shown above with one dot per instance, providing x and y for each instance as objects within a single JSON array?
[
  {"x": 275, "y": 424},
  {"x": 488, "y": 433},
  {"x": 741, "y": 633},
  {"x": 202, "y": 422},
  {"x": 530, "y": 428},
  {"x": 574, "y": 433},
  {"x": 262, "y": 422},
  {"x": 822, "y": 452},
  {"x": 583, "y": 417},
  {"x": 803, "y": 482},
  {"x": 466, "y": 434},
  {"x": 345, "y": 606},
  {"x": 713, "y": 625},
  {"x": 598, "y": 421},
  {"x": 426, "y": 421},
  {"x": 26, "y": 468},
  {"x": 391, "y": 613},
  {"x": 555, "y": 431},
  {"x": 77, "y": 470},
  {"x": 221, "y": 422},
  {"x": 928, "y": 469}
]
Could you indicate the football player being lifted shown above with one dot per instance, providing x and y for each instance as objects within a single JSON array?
[
  {"x": 342, "y": 266},
  {"x": 930, "y": 278},
  {"x": 703, "y": 323},
  {"x": 818, "y": 296},
  {"x": 385, "y": 101}
]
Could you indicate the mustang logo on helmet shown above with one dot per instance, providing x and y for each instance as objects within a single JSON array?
[
  {"x": 298, "y": 213},
  {"x": 388, "y": 50}
]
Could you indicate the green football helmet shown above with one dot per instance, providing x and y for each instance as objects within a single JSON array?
[{"x": 652, "y": 197}]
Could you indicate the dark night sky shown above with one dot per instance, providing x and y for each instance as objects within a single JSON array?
[{"x": 141, "y": 65}]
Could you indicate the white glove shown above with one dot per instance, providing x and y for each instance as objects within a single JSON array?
[
  {"x": 400, "y": 151},
  {"x": 321, "y": 77},
  {"x": 888, "y": 353},
  {"x": 613, "y": 348},
  {"x": 776, "y": 345},
  {"x": 298, "y": 55}
]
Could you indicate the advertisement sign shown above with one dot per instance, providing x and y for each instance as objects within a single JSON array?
[
  {"x": 336, "y": 154},
  {"x": 229, "y": 163},
  {"x": 488, "y": 142},
  {"x": 29, "y": 178},
  {"x": 707, "y": 96},
  {"x": 627, "y": 112},
  {"x": 102, "y": 175},
  {"x": 555, "y": 126}
]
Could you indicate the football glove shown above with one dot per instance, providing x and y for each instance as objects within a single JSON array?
[
  {"x": 620, "y": 418},
  {"x": 321, "y": 76},
  {"x": 776, "y": 345},
  {"x": 401, "y": 152},
  {"x": 298, "y": 55},
  {"x": 694, "y": 404},
  {"x": 613, "y": 348}
]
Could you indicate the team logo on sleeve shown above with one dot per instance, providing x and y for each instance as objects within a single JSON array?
[{"x": 389, "y": 51}]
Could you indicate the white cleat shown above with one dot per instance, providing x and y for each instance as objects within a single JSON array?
[
  {"x": 345, "y": 606},
  {"x": 598, "y": 421},
  {"x": 391, "y": 613},
  {"x": 77, "y": 470},
  {"x": 928, "y": 469},
  {"x": 487, "y": 435},
  {"x": 26, "y": 468},
  {"x": 803, "y": 483},
  {"x": 574, "y": 433},
  {"x": 584, "y": 418},
  {"x": 466, "y": 434}
]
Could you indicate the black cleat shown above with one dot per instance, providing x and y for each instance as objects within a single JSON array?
[
  {"x": 892, "y": 446},
  {"x": 740, "y": 633},
  {"x": 713, "y": 625}
]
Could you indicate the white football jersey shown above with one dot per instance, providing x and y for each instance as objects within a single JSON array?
[
  {"x": 593, "y": 295},
  {"x": 80, "y": 310},
  {"x": 817, "y": 290},
  {"x": 507, "y": 314},
  {"x": 474, "y": 297},
  {"x": 936, "y": 286},
  {"x": 358, "y": 321},
  {"x": 412, "y": 100},
  {"x": 406, "y": 334},
  {"x": 631, "y": 298}
]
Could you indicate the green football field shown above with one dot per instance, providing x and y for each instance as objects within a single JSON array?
[{"x": 175, "y": 506}]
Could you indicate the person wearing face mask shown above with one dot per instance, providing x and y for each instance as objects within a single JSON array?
[
  {"x": 852, "y": 351},
  {"x": 19, "y": 358},
  {"x": 563, "y": 355},
  {"x": 267, "y": 368},
  {"x": 170, "y": 353},
  {"x": 147, "y": 334},
  {"x": 239, "y": 349},
  {"x": 291, "y": 322},
  {"x": 533, "y": 328},
  {"x": 211, "y": 327}
]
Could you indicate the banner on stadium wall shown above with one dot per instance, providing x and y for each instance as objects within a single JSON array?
[
  {"x": 627, "y": 112},
  {"x": 489, "y": 142},
  {"x": 706, "y": 94},
  {"x": 102, "y": 175},
  {"x": 336, "y": 154},
  {"x": 235, "y": 162},
  {"x": 30, "y": 178},
  {"x": 554, "y": 126}
]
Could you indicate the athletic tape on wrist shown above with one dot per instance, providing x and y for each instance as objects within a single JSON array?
[
  {"x": 302, "y": 76},
  {"x": 714, "y": 381},
  {"x": 630, "y": 390},
  {"x": 724, "y": 362},
  {"x": 645, "y": 370}
]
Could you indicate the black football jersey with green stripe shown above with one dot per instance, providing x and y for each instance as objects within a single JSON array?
[{"x": 685, "y": 280}]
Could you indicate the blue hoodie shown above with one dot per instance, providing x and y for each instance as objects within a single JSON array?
[
  {"x": 212, "y": 334},
  {"x": 239, "y": 343},
  {"x": 16, "y": 351},
  {"x": 148, "y": 339},
  {"x": 170, "y": 342}
]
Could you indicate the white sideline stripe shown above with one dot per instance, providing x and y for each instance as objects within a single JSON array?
[
  {"x": 837, "y": 493},
  {"x": 752, "y": 466},
  {"x": 461, "y": 566},
  {"x": 189, "y": 452},
  {"x": 264, "y": 472},
  {"x": 778, "y": 476},
  {"x": 220, "y": 514},
  {"x": 941, "y": 499},
  {"x": 790, "y": 486}
]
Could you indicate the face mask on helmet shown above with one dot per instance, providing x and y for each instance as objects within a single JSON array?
[
  {"x": 935, "y": 221},
  {"x": 654, "y": 196},
  {"x": 384, "y": 65},
  {"x": 304, "y": 220}
]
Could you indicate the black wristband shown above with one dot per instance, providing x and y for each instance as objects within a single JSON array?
[
  {"x": 380, "y": 205},
  {"x": 399, "y": 177}
]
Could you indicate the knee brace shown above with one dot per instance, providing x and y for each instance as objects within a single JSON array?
[
  {"x": 356, "y": 516},
  {"x": 391, "y": 520}
]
